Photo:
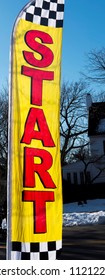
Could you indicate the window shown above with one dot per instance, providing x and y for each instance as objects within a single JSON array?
[
  {"x": 75, "y": 180},
  {"x": 81, "y": 178},
  {"x": 69, "y": 177}
]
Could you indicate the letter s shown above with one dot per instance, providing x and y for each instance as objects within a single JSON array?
[{"x": 45, "y": 52}]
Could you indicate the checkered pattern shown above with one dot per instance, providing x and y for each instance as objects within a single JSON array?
[
  {"x": 44, "y": 12},
  {"x": 36, "y": 251}
]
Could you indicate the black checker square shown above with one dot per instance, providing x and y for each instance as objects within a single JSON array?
[
  {"x": 60, "y": 8},
  {"x": 44, "y": 21},
  {"x": 29, "y": 17},
  {"x": 53, "y": 1},
  {"x": 25, "y": 256},
  {"x": 44, "y": 256},
  {"x": 52, "y": 246},
  {"x": 52, "y": 14},
  {"x": 34, "y": 247},
  {"x": 16, "y": 246},
  {"x": 58, "y": 253},
  {"x": 59, "y": 23},
  {"x": 46, "y": 5},
  {"x": 37, "y": 11},
  {"x": 33, "y": 3}
]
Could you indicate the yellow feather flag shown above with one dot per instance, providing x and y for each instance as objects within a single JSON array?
[{"x": 34, "y": 168}]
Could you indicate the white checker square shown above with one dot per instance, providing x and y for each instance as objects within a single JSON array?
[
  {"x": 43, "y": 246},
  {"x": 36, "y": 19},
  {"x": 58, "y": 244},
  {"x": 51, "y": 22},
  {"x": 52, "y": 255},
  {"x": 39, "y": 3},
  {"x": 53, "y": 6},
  {"x": 34, "y": 256},
  {"x": 59, "y": 15},
  {"x": 15, "y": 255},
  {"x": 30, "y": 9},
  {"x": 25, "y": 247},
  {"x": 45, "y": 13},
  {"x": 61, "y": 1}
]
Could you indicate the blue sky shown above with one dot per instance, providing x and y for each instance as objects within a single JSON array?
[{"x": 84, "y": 30}]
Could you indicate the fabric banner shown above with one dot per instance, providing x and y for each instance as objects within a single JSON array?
[{"x": 34, "y": 177}]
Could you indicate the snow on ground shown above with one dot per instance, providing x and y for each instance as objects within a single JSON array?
[{"x": 87, "y": 214}]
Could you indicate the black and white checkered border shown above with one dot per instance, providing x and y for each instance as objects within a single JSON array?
[
  {"x": 44, "y": 12},
  {"x": 36, "y": 251}
]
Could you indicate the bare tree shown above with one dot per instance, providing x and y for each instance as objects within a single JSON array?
[
  {"x": 3, "y": 127},
  {"x": 73, "y": 119},
  {"x": 87, "y": 159},
  {"x": 95, "y": 68}
]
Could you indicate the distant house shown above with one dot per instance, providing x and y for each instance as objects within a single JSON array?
[
  {"x": 96, "y": 128},
  {"x": 74, "y": 172}
]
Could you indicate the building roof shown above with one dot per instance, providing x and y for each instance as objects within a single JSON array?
[{"x": 96, "y": 124}]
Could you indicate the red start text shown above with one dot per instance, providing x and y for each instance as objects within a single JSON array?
[{"x": 36, "y": 116}]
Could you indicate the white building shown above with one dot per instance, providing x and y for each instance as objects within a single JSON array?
[{"x": 74, "y": 172}]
